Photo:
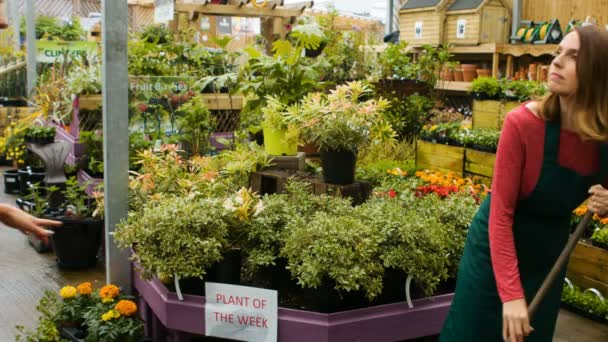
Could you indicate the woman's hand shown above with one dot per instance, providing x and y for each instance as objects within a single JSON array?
[
  {"x": 28, "y": 224},
  {"x": 515, "y": 321},
  {"x": 598, "y": 202}
]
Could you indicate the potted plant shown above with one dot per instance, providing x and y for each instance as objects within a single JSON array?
[
  {"x": 280, "y": 133},
  {"x": 93, "y": 160},
  {"x": 485, "y": 88},
  {"x": 341, "y": 123},
  {"x": 196, "y": 125},
  {"x": 192, "y": 235},
  {"x": 85, "y": 82},
  {"x": 77, "y": 242}
]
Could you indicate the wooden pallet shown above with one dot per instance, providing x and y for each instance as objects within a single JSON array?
[
  {"x": 588, "y": 267},
  {"x": 275, "y": 182},
  {"x": 479, "y": 163},
  {"x": 439, "y": 157},
  {"x": 487, "y": 114}
]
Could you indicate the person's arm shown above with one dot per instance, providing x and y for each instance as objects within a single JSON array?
[
  {"x": 19, "y": 219},
  {"x": 506, "y": 185}
]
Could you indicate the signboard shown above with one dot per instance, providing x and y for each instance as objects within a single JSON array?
[
  {"x": 53, "y": 51},
  {"x": 461, "y": 28},
  {"x": 418, "y": 30},
  {"x": 224, "y": 25},
  {"x": 241, "y": 313},
  {"x": 163, "y": 11}
]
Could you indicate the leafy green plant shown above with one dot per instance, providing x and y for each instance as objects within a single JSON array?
[
  {"x": 488, "y": 86},
  {"x": 340, "y": 248},
  {"x": 240, "y": 163},
  {"x": 175, "y": 235},
  {"x": 39, "y": 197},
  {"x": 196, "y": 124},
  {"x": 523, "y": 90},
  {"x": 395, "y": 62},
  {"x": 486, "y": 139},
  {"x": 84, "y": 80},
  {"x": 46, "y": 328},
  {"x": 157, "y": 34},
  {"x": 408, "y": 116},
  {"x": 342, "y": 121},
  {"x": 376, "y": 172},
  {"x": 587, "y": 302},
  {"x": 77, "y": 200},
  {"x": 49, "y": 27},
  {"x": 600, "y": 236},
  {"x": 280, "y": 117},
  {"x": 430, "y": 61}
]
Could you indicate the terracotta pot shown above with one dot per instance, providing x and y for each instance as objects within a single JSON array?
[
  {"x": 446, "y": 74},
  {"x": 544, "y": 73},
  {"x": 533, "y": 72},
  {"x": 468, "y": 72},
  {"x": 484, "y": 72},
  {"x": 458, "y": 75}
]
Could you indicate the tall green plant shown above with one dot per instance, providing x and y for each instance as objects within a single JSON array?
[{"x": 196, "y": 124}]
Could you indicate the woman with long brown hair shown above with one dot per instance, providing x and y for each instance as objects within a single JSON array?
[{"x": 551, "y": 156}]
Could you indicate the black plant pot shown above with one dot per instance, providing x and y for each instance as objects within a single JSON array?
[
  {"x": 338, "y": 167},
  {"x": 277, "y": 277},
  {"x": 326, "y": 299},
  {"x": 76, "y": 242},
  {"x": 29, "y": 176},
  {"x": 11, "y": 182},
  {"x": 316, "y": 52},
  {"x": 228, "y": 270},
  {"x": 393, "y": 287}
]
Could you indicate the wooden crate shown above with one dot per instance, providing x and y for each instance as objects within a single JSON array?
[
  {"x": 439, "y": 157},
  {"x": 90, "y": 102},
  {"x": 479, "y": 163},
  {"x": 507, "y": 107},
  {"x": 477, "y": 22},
  {"x": 425, "y": 17},
  {"x": 223, "y": 101},
  {"x": 588, "y": 267},
  {"x": 487, "y": 114},
  {"x": 275, "y": 181}
]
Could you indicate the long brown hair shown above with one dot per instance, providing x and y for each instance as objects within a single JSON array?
[{"x": 590, "y": 116}]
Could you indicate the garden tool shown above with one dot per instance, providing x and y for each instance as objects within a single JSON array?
[{"x": 559, "y": 264}]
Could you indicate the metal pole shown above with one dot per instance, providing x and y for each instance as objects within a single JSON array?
[
  {"x": 30, "y": 22},
  {"x": 516, "y": 16},
  {"x": 116, "y": 136},
  {"x": 14, "y": 20},
  {"x": 389, "y": 16}
]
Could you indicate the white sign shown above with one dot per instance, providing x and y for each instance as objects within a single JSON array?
[
  {"x": 418, "y": 30},
  {"x": 461, "y": 28},
  {"x": 241, "y": 313},
  {"x": 163, "y": 11}
]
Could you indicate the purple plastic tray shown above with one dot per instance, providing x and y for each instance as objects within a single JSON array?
[
  {"x": 172, "y": 320},
  {"x": 84, "y": 177}
]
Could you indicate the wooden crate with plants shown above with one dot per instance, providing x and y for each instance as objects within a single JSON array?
[
  {"x": 588, "y": 267},
  {"x": 440, "y": 157},
  {"x": 480, "y": 154},
  {"x": 486, "y": 106}
]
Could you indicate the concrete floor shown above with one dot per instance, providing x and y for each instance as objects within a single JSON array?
[{"x": 25, "y": 275}]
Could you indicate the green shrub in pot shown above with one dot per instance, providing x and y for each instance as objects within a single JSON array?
[
  {"x": 280, "y": 129},
  {"x": 486, "y": 88},
  {"x": 176, "y": 235}
]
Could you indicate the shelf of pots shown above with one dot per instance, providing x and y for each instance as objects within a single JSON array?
[
  {"x": 451, "y": 148},
  {"x": 359, "y": 256}
]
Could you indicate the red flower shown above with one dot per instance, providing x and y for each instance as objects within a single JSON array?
[
  {"x": 142, "y": 107},
  {"x": 392, "y": 193}
]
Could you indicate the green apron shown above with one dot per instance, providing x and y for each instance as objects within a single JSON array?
[{"x": 541, "y": 229}]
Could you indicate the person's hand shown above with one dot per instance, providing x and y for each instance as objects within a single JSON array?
[
  {"x": 27, "y": 223},
  {"x": 515, "y": 321},
  {"x": 598, "y": 202}
]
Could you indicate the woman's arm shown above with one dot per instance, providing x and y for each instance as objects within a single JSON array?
[
  {"x": 19, "y": 219},
  {"x": 506, "y": 185}
]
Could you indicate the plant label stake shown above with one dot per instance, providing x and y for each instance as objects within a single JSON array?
[{"x": 559, "y": 264}]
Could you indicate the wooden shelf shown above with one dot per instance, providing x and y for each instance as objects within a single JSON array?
[
  {"x": 242, "y": 11},
  {"x": 453, "y": 86},
  {"x": 516, "y": 50}
]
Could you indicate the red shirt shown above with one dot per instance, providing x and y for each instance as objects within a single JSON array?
[{"x": 518, "y": 164}]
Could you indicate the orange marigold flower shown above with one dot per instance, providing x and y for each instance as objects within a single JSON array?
[
  {"x": 604, "y": 221},
  {"x": 126, "y": 307},
  {"x": 580, "y": 211},
  {"x": 109, "y": 292},
  {"x": 85, "y": 289}
]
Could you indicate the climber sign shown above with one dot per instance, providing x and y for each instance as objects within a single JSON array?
[{"x": 240, "y": 312}]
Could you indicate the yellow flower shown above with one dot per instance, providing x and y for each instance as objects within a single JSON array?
[
  {"x": 109, "y": 291},
  {"x": 110, "y": 315},
  {"x": 68, "y": 292},
  {"x": 85, "y": 289},
  {"x": 107, "y": 300},
  {"x": 126, "y": 307},
  {"x": 433, "y": 128}
]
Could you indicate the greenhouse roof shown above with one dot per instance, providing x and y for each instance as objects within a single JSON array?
[
  {"x": 413, "y": 4},
  {"x": 465, "y": 5}
]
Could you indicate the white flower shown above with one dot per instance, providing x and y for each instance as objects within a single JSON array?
[
  {"x": 228, "y": 205},
  {"x": 259, "y": 208}
]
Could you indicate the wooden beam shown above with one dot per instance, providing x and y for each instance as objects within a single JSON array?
[
  {"x": 495, "y": 64},
  {"x": 13, "y": 67},
  {"x": 233, "y": 10},
  {"x": 509, "y": 73},
  {"x": 302, "y": 5}
]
